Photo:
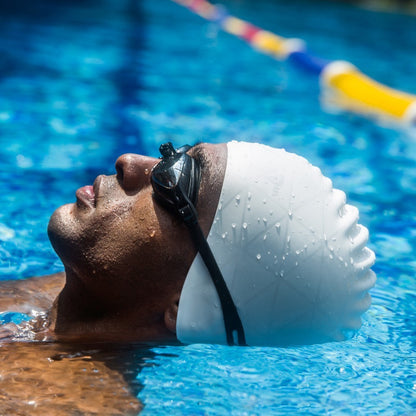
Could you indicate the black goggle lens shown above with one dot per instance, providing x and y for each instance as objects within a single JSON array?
[{"x": 177, "y": 174}]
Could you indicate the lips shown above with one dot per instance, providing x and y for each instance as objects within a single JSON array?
[{"x": 87, "y": 195}]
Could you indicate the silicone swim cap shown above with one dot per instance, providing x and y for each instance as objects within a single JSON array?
[{"x": 290, "y": 250}]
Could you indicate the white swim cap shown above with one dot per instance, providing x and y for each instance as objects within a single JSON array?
[{"x": 290, "y": 250}]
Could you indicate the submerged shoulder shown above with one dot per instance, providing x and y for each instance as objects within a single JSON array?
[{"x": 33, "y": 293}]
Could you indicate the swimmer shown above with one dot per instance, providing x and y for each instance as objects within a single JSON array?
[{"x": 236, "y": 243}]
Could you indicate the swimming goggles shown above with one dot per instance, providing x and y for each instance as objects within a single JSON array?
[{"x": 175, "y": 180}]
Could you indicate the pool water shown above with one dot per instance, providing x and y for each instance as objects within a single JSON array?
[{"x": 82, "y": 82}]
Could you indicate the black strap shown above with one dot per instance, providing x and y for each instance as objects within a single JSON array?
[{"x": 232, "y": 320}]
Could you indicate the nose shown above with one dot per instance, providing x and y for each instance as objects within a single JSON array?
[{"x": 133, "y": 171}]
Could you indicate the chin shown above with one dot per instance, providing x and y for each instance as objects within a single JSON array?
[{"x": 61, "y": 229}]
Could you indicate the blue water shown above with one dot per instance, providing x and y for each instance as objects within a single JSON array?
[{"x": 82, "y": 82}]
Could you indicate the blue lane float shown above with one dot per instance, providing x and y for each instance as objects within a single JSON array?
[{"x": 343, "y": 85}]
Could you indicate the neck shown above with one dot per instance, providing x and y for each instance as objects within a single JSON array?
[{"x": 78, "y": 316}]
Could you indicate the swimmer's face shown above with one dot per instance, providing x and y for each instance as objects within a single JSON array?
[{"x": 121, "y": 244}]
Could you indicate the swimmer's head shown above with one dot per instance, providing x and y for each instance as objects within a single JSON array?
[
  {"x": 289, "y": 249},
  {"x": 124, "y": 254}
]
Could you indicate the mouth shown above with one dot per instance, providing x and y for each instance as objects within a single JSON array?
[{"x": 87, "y": 195}]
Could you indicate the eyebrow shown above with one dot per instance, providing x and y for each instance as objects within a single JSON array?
[{"x": 198, "y": 153}]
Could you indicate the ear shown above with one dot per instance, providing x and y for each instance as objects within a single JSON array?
[{"x": 171, "y": 314}]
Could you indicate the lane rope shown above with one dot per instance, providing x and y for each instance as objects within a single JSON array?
[{"x": 343, "y": 85}]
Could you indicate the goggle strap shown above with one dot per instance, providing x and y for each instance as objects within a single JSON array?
[
  {"x": 188, "y": 214},
  {"x": 232, "y": 320}
]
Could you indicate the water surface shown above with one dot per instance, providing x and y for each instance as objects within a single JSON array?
[{"x": 82, "y": 82}]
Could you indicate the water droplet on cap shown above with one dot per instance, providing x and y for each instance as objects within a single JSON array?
[
  {"x": 258, "y": 257},
  {"x": 245, "y": 225}
]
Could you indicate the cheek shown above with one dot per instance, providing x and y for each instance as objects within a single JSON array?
[
  {"x": 121, "y": 226},
  {"x": 148, "y": 245},
  {"x": 130, "y": 234}
]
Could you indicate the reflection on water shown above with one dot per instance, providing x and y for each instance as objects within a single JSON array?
[{"x": 55, "y": 379}]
